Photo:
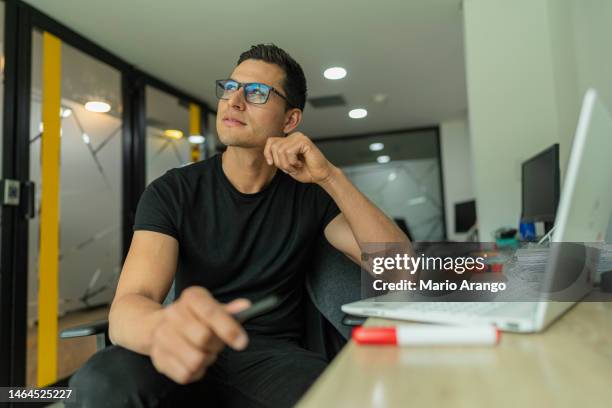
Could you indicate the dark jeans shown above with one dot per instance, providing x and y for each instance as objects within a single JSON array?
[{"x": 270, "y": 372}]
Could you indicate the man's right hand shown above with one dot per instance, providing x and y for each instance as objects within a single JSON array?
[{"x": 194, "y": 329}]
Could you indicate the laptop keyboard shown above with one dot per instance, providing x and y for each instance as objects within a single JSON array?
[{"x": 463, "y": 308}]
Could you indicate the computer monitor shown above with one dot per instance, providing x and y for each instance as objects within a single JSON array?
[
  {"x": 465, "y": 216},
  {"x": 540, "y": 179}
]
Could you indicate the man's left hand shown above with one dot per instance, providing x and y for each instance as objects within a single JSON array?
[{"x": 298, "y": 156}]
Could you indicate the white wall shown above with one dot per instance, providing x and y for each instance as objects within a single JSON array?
[
  {"x": 528, "y": 63},
  {"x": 564, "y": 73},
  {"x": 592, "y": 33},
  {"x": 457, "y": 170},
  {"x": 592, "y": 24},
  {"x": 580, "y": 44}
]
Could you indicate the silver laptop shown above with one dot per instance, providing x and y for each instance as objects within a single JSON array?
[{"x": 583, "y": 214}]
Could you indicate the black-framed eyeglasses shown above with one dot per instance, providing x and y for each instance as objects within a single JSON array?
[{"x": 254, "y": 92}]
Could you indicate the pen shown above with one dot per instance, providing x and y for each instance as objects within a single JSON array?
[{"x": 428, "y": 335}]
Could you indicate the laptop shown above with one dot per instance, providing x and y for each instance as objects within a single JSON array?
[{"x": 583, "y": 214}]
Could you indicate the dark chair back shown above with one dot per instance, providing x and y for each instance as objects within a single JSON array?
[{"x": 333, "y": 281}]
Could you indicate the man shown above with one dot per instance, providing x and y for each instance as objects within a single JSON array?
[{"x": 228, "y": 229}]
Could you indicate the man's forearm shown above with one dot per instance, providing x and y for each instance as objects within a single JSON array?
[
  {"x": 368, "y": 223},
  {"x": 132, "y": 320}
]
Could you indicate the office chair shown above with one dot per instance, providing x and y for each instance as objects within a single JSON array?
[{"x": 401, "y": 223}]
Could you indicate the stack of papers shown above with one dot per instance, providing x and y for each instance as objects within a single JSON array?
[
  {"x": 530, "y": 262},
  {"x": 528, "y": 266},
  {"x": 532, "y": 259},
  {"x": 605, "y": 259}
]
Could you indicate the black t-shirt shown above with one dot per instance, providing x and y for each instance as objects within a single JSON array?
[{"x": 236, "y": 244}]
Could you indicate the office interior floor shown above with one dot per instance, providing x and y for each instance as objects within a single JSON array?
[{"x": 71, "y": 353}]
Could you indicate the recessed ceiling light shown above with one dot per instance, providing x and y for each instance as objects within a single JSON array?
[
  {"x": 86, "y": 138},
  {"x": 97, "y": 106},
  {"x": 173, "y": 133},
  {"x": 383, "y": 159},
  {"x": 358, "y": 113},
  {"x": 334, "y": 73},
  {"x": 392, "y": 176},
  {"x": 379, "y": 98},
  {"x": 65, "y": 112},
  {"x": 196, "y": 139},
  {"x": 376, "y": 146}
]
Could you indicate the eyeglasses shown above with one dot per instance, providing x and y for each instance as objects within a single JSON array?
[{"x": 254, "y": 92}]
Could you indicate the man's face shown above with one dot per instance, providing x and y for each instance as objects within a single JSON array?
[{"x": 244, "y": 124}]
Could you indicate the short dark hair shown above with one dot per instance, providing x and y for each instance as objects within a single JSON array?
[{"x": 294, "y": 83}]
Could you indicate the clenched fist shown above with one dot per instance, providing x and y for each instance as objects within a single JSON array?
[
  {"x": 298, "y": 156},
  {"x": 194, "y": 329}
]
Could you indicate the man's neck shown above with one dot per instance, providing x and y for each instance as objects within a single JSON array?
[{"x": 246, "y": 169}]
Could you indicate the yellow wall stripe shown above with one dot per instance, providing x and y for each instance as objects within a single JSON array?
[
  {"x": 195, "y": 128},
  {"x": 49, "y": 216}
]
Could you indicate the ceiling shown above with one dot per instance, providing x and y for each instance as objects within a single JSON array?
[{"x": 410, "y": 50}]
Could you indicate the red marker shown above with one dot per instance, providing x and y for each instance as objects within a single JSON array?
[{"x": 428, "y": 335}]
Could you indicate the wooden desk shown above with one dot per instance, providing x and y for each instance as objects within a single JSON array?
[{"x": 568, "y": 365}]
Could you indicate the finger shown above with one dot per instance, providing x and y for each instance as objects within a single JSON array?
[
  {"x": 284, "y": 152},
  {"x": 180, "y": 349},
  {"x": 295, "y": 135},
  {"x": 216, "y": 318},
  {"x": 268, "y": 151},
  {"x": 228, "y": 329},
  {"x": 284, "y": 159},
  {"x": 276, "y": 156},
  {"x": 293, "y": 158},
  {"x": 185, "y": 323},
  {"x": 304, "y": 147},
  {"x": 237, "y": 305},
  {"x": 201, "y": 335},
  {"x": 197, "y": 333},
  {"x": 170, "y": 366},
  {"x": 199, "y": 374},
  {"x": 209, "y": 360}
]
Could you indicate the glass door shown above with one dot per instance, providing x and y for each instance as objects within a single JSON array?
[
  {"x": 2, "y": 62},
  {"x": 74, "y": 248},
  {"x": 173, "y": 132},
  {"x": 83, "y": 132}
]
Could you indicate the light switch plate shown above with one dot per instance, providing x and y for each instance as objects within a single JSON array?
[{"x": 11, "y": 192}]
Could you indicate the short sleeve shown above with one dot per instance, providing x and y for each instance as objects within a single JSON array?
[
  {"x": 326, "y": 206},
  {"x": 158, "y": 209}
]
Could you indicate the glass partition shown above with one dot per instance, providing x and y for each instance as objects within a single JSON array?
[
  {"x": 89, "y": 195},
  {"x": 1, "y": 91},
  {"x": 167, "y": 143},
  {"x": 400, "y": 173}
]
